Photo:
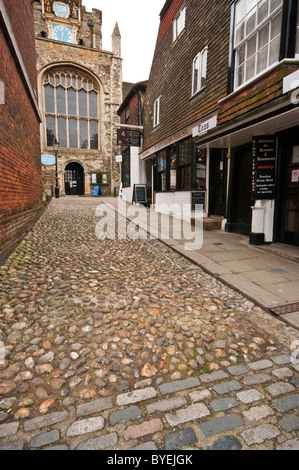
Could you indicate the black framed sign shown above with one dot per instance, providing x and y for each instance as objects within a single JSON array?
[
  {"x": 198, "y": 198},
  {"x": 131, "y": 138},
  {"x": 140, "y": 193},
  {"x": 263, "y": 167}
]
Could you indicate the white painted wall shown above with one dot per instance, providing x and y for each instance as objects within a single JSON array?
[
  {"x": 178, "y": 203},
  {"x": 138, "y": 173}
]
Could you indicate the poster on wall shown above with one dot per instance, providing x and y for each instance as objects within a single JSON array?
[{"x": 263, "y": 167}]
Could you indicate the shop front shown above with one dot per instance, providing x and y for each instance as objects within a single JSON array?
[{"x": 262, "y": 176}]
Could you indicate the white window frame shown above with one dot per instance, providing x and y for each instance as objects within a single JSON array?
[
  {"x": 244, "y": 40},
  {"x": 297, "y": 38},
  {"x": 197, "y": 80},
  {"x": 178, "y": 24},
  {"x": 157, "y": 111}
]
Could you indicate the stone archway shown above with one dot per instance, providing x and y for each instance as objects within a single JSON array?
[{"x": 74, "y": 179}]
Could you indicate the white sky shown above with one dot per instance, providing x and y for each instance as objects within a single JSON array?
[{"x": 138, "y": 23}]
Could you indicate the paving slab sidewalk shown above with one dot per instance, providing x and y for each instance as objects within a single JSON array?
[{"x": 267, "y": 274}]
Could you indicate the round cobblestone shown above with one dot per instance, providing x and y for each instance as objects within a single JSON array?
[{"x": 84, "y": 319}]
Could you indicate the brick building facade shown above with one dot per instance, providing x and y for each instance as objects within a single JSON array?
[
  {"x": 133, "y": 170},
  {"x": 20, "y": 164},
  {"x": 188, "y": 78},
  {"x": 222, "y": 115},
  {"x": 258, "y": 122},
  {"x": 80, "y": 90}
]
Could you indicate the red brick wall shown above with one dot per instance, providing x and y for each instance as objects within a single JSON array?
[
  {"x": 166, "y": 20},
  {"x": 20, "y": 15},
  {"x": 20, "y": 165}
]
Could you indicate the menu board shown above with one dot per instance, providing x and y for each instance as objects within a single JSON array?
[
  {"x": 198, "y": 199},
  {"x": 263, "y": 167}
]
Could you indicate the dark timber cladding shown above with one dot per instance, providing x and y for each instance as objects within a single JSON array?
[{"x": 188, "y": 79}]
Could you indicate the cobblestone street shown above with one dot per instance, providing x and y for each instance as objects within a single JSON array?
[{"x": 126, "y": 344}]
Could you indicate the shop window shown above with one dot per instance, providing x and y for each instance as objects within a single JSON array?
[
  {"x": 257, "y": 34},
  {"x": 162, "y": 171},
  {"x": 71, "y": 110},
  {"x": 199, "y": 71},
  {"x": 173, "y": 167},
  {"x": 179, "y": 23},
  {"x": 185, "y": 149},
  {"x": 201, "y": 168}
]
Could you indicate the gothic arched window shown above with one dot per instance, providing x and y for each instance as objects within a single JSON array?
[{"x": 71, "y": 109}]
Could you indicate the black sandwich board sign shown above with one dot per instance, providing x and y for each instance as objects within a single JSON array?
[
  {"x": 139, "y": 193},
  {"x": 263, "y": 167}
]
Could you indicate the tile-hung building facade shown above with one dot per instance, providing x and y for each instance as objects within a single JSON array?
[
  {"x": 20, "y": 165},
  {"x": 258, "y": 121},
  {"x": 80, "y": 90},
  {"x": 187, "y": 79},
  {"x": 133, "y": 170}
]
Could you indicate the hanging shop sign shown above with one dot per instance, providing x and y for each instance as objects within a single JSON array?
[
  {"x": 127, "y": 137},
  {"x": 204, "y": 127},
  {"x": 263, "y": 167}
]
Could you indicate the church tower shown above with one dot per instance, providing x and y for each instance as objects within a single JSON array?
[{"x": 80, "y": 90}]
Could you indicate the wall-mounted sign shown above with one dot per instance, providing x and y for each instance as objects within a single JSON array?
[
  {"x": 127, "y": 137},
  {"x": 263, "y": 167},
  {"x": 295, "y": 176},
  {"x": 204, "y": 127},
  {"x": 104, "y": 178},
  {"x": 119, "y": 158},
  {"x": 198, "y": 200},
  {"x": 48, "y": 160}
]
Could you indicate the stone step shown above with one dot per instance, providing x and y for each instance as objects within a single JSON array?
[{"x": 209, "y": 223}]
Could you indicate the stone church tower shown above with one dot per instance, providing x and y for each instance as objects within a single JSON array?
[{"x": 80, "y": 91}]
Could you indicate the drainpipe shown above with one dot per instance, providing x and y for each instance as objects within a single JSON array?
[{"x": 91, "y": 26}]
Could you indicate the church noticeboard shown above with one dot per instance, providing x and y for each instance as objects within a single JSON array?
[
  {"x": 198, "y": 198},
  {"x": 263, "y": 167},
  {"x": 140, "y": 194}
]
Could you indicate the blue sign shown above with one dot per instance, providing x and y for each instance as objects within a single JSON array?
[
  {"x": 48, "y": 160},
  {"x": 97, "y": 191}
]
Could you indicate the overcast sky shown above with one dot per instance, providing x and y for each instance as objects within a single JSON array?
[{"x": 138, "y": 22}]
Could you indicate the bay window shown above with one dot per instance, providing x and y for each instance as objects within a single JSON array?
[{"x": 257, "y": 37}]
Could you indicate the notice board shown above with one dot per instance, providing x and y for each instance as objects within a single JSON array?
[
  {"x": 198, "y": 198},
  {"x": 140, "y": 193}
]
